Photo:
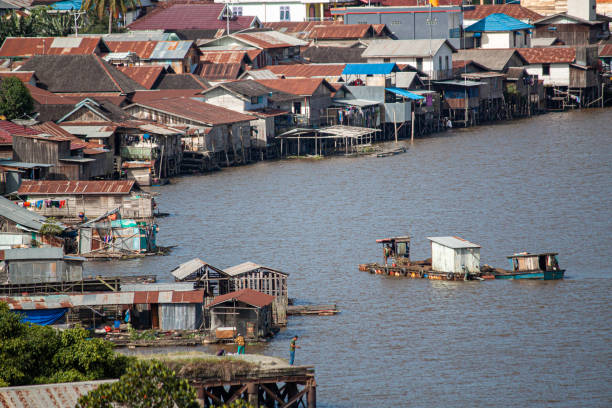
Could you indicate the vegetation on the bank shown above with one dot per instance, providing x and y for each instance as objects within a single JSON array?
[
  {"x": 145, "y": 384},
  {"x": 50, "y": 227},
  {"x": 194, "y": 366},
  {"x": 15, "y": 99},
  {"x": 32, "y": 354},
  {"x": 109, "y": 8}
]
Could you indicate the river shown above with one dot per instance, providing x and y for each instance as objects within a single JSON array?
[{"x": 537, "y": 184}]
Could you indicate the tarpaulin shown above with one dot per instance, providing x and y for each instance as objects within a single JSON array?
[{"x": 42, "y": 317}]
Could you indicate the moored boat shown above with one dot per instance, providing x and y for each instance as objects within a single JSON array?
[{"x": 543, "y": 266}]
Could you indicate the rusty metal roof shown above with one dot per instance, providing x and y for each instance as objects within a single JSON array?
[
  {"x": 248, "y": 296},
  {"x": 606, "y": 51},
  {"x": 78, "y": 187},
  {"x": 513, "y": 10},
  {"x": 270, "y": 39},
  {"x": 307, "y": 70},
  {"x": 548, "y": 55},
  {"x": 201, "y": 112},
  {"x": 218, "y": 71},
  {"x": 63, "y": 395},
  {"x": 29, "y": 46},
  {"x": 23, "y": 76},
  {"x": 297, "y": 86},
  {"x": 103, "y": 298},
  {"x": 144, "y": 75},
  {"x": 143, "y": 49},
  {"x": 341, "y": 32},
  {"x": 225, "y": 57}
]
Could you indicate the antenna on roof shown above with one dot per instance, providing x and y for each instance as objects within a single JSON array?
[{"x": 76, "y": 14}]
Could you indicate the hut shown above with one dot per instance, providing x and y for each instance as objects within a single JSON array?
[
  {"x": 214, "y": 281},
  {"x": 249, "y": 275},
  {"x": 39, "y": 265},
  {"x": 454, "y": 255},
  {"x": 246, "y": 311}
]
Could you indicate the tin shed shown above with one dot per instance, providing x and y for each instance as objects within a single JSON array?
[{"x": 452, "y": 254}]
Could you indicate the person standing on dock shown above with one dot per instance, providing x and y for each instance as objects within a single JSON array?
[
  {"x": 292, "y": 347},
  {"x": 240, "y": 342}
]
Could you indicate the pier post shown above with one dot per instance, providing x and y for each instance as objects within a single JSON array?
[
  {"x": 412, "y": 131},
  {"x": 253, "y": 394},
  {"x": 311, "y": 399}
]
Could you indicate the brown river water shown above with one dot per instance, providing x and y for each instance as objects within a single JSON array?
[{"x": 540, "y": 184}]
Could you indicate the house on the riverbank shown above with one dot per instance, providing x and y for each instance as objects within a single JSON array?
[
  {"x": 22, "y": 266},
  {"x": 211, "y": 279},
  {"x": 499, "y": 30},
  {"x": 75, "y": 200},
  {"x": 221, "y": 133}
]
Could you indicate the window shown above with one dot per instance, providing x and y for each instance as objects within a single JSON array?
[
  {"x": 386, "y": 59},
  {"x": 546, "y": 69},
  {"x": 447, "y": 63},
  {"x": 284, "y": 13},
  {"x": 237, "y": 11},
  {"x": 253, "y": 100},
  {"x": 297, "y": 107},
  {"x": 439, "y": 62}
]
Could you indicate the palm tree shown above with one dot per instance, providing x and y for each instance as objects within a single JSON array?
[{"x": 113, "y": 7}]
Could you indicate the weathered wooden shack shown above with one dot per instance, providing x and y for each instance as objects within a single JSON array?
[
  {"x": 71, "y": 199},
  {"x": 106, "y": 238},
  {"x": 247, "y": 311},
  {"x": 461, "y": 100},
  {"x": 249, "y": 275},
  {"x": 491, "y": 94},
  {"x": 213, "y": 280},
  {"x": 454, "y": 255}
]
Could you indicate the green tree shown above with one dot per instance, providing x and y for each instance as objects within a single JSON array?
[
  {"x": 110, "y": 8},
  {"x": 145, "y": 384},
  {"x": 39, "y": 23},
  {"x": 33, "y": 354},
  {"x": 15, "y": 99}
]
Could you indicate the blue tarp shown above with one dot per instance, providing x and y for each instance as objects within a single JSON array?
[
  {"x": 67, "y": 5},
  {"x": 41, "y": 317},
  {"x": 370, "y": 69},
  {"x": 405, "y": 93}
]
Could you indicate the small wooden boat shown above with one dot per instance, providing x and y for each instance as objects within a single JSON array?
[
  {"x": 392, "y": 152},
  {"x": 543, "y": 266}
]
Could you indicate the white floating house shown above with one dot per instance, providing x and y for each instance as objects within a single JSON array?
[{"x": 453, "y": 254}]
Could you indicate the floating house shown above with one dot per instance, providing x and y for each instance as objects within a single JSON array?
[
  {"x": 246, "y": 311},
  {"x": 454, "y": 255},
  {"x": 104, "y": 238},
  {"x": 249, "y": 275}
]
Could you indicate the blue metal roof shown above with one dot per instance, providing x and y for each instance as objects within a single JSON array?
[
  {"x": 405, "y": 93},
  {"x": 498, "y": 22},
  {"x": 67, "y": 5},
  {"x": 370, "y": 69}
]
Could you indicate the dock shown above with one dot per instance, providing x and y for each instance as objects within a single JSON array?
[
  {"x": 392, "y": 152},
  {"x": 320, "y": 310}
]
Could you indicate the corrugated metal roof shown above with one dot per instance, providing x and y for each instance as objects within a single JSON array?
[
  {"x": 145, "y": 287},
  {"x": 144, "y": 75},
  {"x": 248, "y": 296},
  {"x": 453, "y": 242},
  {"x": 20, "y": 215},
  {"x": 143, "y": 49},
  {"x": 498, "y": 22},
  {"x": 187, "y": 268},
  {"x": 23, "y": 165},
  {"x": 225, "y": 57},
  {"x": 18, "y": 254},
  {"x": 218, "y": 71},
  {"x": 247, "y": 267},
  {"x": 261, "y": 74},
  {"x": 341, "y": 32},
  {"x": 270, "y": 39},
  {"x": 169, "y": 50},
  {"x": 101, "y": 299},
  {"x": 29, "y": 46},
  {"x": 91, "y": 131},
  {"x": 513, "y": 10},
  {"x": 356, "y": 102},
  {"x": 62, "y": 395},
  {"x": 404, "y": 48},
  {"x": 606, "y": 51},
  {"x": 66, "y": 187},
  {"x": 307, "y": 70},
  {"x": 404, "y": 93},
  {"x": 297, "y": 86},
  {"x": 370, "y": 69}
]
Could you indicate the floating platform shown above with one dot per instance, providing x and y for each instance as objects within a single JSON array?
[
  {"x": 392, "y": 152},
  {"x": 320, "y": 310}
]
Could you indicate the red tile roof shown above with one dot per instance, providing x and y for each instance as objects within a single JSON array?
[
  {"x": 192, "y": 16},
  {"x": 197, "y": 111},
  {"x": 29, "y": 46},
  {"x": 78, "y": 187},
  {"x": 307, "y": 70},
  {"x": 217, "y": 72},
  {"x": 248, "y": 296},
  {"x": 606, "y": 51},
  {"x": 548, "y": 55},
  {"x": 513, "y": 10},
  {"x": 296, "y": 86},
  {"x": 144, "y": 75},
  {"x": 341, "y": 32},
  {"x": 225, "y": 57}
]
